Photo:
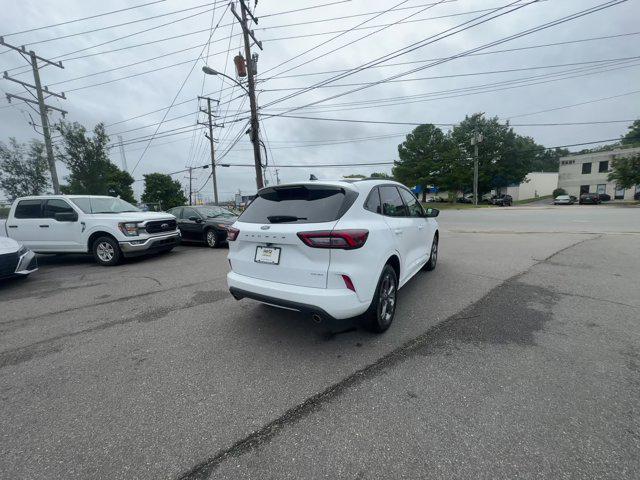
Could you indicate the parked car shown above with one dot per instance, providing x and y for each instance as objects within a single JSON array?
[
  {"x": 636, "y": 196},
  {"x": 468, "y": 198},
  {"x": 563, "y": 200},
  {"x": 334, "y": 250},
  {"x": 15, "y": 260},
  {"x": 503, "y": 200},
  {"x": 573, "y": 198},
  {"x": 589, "y": 198},
  {"x": 604, "y": 197},
  {"x": 206, "y": 224},
  {"x": 435, "y": 200},
  {"x": 107, "y": 227}
]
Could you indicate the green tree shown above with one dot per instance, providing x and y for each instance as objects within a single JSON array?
[
  {"x": 354, "y": 175},
  {"x": 626, "y": 171},
  {"x": 504, "y": 157},
  {"x": 87, "y": 158},
  {"x": 23, "y": 169},
  {"x": 161, "y": 188},
  {"x": 421, "y": 157},
  {"x": 380, "y": 175},
  {"x": 633, "y": 135}
]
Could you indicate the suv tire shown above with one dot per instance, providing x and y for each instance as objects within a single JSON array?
[
  {"x": 433, "y": 257},
  {"x": 379, "y": 316},
  {"x": 106, "y": 251}
]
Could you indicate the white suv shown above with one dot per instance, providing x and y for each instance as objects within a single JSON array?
[{"x": 332, "y": 249}]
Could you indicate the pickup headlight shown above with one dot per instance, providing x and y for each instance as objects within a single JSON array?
[{"x": 130, "y": 229}]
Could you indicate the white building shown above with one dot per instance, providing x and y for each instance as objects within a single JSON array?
[
  {"x": 535, "y": 184},
  {"x": 587, "y": 173}
]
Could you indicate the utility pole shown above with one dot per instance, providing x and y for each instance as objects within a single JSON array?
[
  {"x": 190, "y": 170},
  {"x": 251, "y": 70},
  {"x": 42, "y": 109},
  {"x": 475, "y": 140},
  {"x": 123, "y": 157},
  {"x": 210, "y": 124}
]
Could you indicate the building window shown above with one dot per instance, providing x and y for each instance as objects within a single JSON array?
[
  {"x": 586, "y": 168},
  {"x": 584, "y": 189},
  {"x": 619, "y": 194},
  {"x": 602, "y": 188},
  {"x": 603, "y": 167}
]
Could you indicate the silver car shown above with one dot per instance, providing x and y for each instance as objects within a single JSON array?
[{"x": 563, "y": 200}]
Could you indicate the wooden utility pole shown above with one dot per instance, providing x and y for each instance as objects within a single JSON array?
[
  {"x": 251, "y": 70},
  {"x": 43, "y": 108},
  {"x": 475, "y": 140},
  {"x": 210, "y": 124}
]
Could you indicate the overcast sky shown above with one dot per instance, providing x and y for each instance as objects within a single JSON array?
[{"x": 467, "y": 86}]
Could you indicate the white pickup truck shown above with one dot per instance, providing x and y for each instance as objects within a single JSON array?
[{"x": 107, "y": 227}]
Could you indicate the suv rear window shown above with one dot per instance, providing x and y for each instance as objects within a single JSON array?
[{"x": 299, "y": 204}]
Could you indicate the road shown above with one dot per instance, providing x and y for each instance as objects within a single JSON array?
[{"x": 519, "y": 356}]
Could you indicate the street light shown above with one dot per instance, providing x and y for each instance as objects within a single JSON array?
[{"x": 211, "y": 71}]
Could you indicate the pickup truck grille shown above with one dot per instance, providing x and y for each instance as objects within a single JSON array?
[
  {"x": 161, "y": 226},
  {"x": 8, "y": 264}
]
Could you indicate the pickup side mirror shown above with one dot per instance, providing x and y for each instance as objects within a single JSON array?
[
  {"x": 432, "y": 212},
  {"x": 66, "y": 217}
]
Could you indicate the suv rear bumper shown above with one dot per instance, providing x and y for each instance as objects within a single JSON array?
[
  {"x": 331, "y": 304},
  {"x": 131, "y": 248}
]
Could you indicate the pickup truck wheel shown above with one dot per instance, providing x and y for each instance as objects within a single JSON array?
[
  {"x": 106, "y": 251},
  {"x": 211, "y": 238}
]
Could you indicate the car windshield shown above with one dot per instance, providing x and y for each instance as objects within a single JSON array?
[
  {"x": 103, "y": 205},
  {"x": 215, "y": 212}
]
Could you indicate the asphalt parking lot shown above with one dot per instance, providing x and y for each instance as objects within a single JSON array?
[{"x": 518, "y": 357}]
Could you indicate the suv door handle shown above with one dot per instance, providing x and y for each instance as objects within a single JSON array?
[
  {"x": 43, "y": 226},
  {"x": 398, "y": 231},
  {"x": 12, "y": 226}
]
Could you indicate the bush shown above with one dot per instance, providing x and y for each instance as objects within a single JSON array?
[{"x": 559, "y": 191}]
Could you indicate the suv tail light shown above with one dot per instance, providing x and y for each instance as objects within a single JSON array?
[
  {"x": 344, "y": 239},
  {"x": 232, "y": 233}
]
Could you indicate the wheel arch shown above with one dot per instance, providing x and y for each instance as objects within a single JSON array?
[
  {"x": 394, "y": 261},
  {"x": 95, "y": 235}
]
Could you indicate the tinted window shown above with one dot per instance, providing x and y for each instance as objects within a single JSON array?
[
  {"x": 299, "y": 204},
  {"x": 176, "y": 211},
  {"x": 415, "y": 210},
  {"x": 586, "y": 168},
  {"x": 29, "y": 209},
  {"x": 603, "y": 166},
  {"x": 392, "y": 204},
  {"x": 189, "y": 212},
  {"x": 373, "y": 202},
  {"x": 55, "y": 205},
  {"x": 103, "y": 205}
]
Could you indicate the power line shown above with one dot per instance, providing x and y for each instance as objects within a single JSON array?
[
  {"x": 466, "y": 52},
  {"x": 83, "y": 18},
  {"x": 176, "y": 95}
]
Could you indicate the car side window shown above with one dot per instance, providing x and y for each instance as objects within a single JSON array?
[
  {"x": 55, "y": 205},
  {"x": 414, "y": 207},
  {"x": 176, "y": 212},
  {"x": 189, "y": 212},
  {"x": 392, "y": 204},
  {"x": 29, "y": 209},
  {"x": 372, "y": 203}
]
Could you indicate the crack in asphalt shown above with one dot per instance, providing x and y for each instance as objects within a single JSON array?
[
  {"x": 51, "y": 345},
  {"x": 423, "y": 344}
]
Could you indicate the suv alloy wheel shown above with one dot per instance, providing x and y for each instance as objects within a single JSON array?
[{"x": 383, "y": 306}]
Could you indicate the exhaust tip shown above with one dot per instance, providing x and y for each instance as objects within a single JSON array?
[{"x": 316, "y": 318}]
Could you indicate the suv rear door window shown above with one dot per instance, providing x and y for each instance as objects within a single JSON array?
[
  {"x": 55, "y": 205},
  {"x": 392, "y": 204},
  {"x": 29, "y": 209},
  {"x": 299, "y": 204}
]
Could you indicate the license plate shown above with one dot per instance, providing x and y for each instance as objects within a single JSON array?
[{"x": 268, "y": 255}]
